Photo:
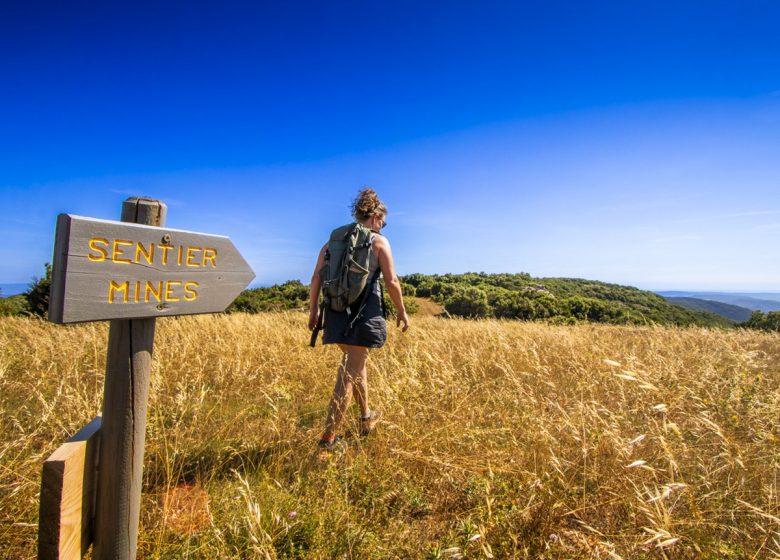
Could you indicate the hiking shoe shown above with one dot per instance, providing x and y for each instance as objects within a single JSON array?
[
  {"x": 336, "y": 445},
  {"x": 368, "y": 423}
]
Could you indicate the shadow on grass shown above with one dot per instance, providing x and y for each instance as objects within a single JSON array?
[{"x": 210, "y": 462}]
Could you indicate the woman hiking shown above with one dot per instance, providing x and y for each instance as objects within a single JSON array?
[{"x": 361, "y": 324}]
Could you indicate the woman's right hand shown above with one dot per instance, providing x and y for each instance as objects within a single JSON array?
[
  {"x": 402, "y": 317},
  {"x": 314, "y": 316}
]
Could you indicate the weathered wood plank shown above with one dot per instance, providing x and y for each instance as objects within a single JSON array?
[
  {"x": 128, "y": 364},
  {"x": 115, "y": 270},
  {"x": 59, "y": 269},
  {"x": 68, "y": 496}
]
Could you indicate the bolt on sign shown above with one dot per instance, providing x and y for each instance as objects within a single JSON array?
[{"x": 106, "y": 269}]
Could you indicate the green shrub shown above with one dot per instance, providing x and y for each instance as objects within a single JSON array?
[
  {"x": 38, "y": 294},
  {"x": 769, "y": 321},
  {"x": 409, "y": 302},
  {"x": 513, "y": 305},
  {"x": 13, "y": 305},
  {"x": 408, "y": 289},
  {"x": 290, "y": 295},
  {"x": 468, "y": 302}
]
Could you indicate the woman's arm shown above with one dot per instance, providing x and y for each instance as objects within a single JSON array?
[
  {"x": 386, "y": 264},
  {"x": 314, "y": 290}
]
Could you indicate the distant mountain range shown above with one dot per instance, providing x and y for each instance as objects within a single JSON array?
[
  {"x": 733, "y": 312},
  {"x": 764, "y": 301}
]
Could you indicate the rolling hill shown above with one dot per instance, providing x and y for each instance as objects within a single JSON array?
[
  {"x": 564, "y": 300},
  {"x": 733, "y": 312}
]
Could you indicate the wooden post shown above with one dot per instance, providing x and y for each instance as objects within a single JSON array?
[
  {"x": 124, "y": 418},
  {"x": 65, "y": 525}
]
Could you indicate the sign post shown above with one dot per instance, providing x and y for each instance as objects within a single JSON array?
[
  {"x": 131, "y": 272},
  {"x": 123, "y": 431}
]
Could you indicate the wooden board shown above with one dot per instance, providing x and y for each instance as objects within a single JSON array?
[
  {"x": 116, "y": 270},
  {"x": 68, "y": 496}
]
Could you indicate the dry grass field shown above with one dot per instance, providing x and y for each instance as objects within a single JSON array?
[{"x": 500, "y": 440}]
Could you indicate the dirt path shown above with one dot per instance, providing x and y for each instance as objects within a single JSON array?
[{"x": 428, "y": 307}]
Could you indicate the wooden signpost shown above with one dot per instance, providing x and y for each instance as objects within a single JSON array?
[
  {"x": 129, "y": 272},
  {"x": 115, "y": 270}
]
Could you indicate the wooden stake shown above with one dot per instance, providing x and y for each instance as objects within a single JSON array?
[
  {"x": 68, "y": 496},
  {"x": 123, "y": 432}
]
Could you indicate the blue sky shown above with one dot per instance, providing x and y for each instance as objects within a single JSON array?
[{"x": 625, "y": 142}]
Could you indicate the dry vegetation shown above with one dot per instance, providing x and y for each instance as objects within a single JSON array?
[{"x": 501, "y": 439}]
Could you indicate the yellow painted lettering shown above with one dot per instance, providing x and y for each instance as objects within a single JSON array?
[
  {"x": 210, "y": 255},
  {"x": 94, "y": 245},
  {"x": 141, "y": 251},
  {"x": 178, "y": 255},
  {"x": 150, "y": 290},
  {"x": 165, "y": 249},
  {"x": 169, "y": 295},
  {"x": 113, "y": 288},
  {"x": 191, "y": 256},
  {"x": 190, "y": 291},
  {"x": 118, "y": 244},
  {"x": 137, "y": 291}
]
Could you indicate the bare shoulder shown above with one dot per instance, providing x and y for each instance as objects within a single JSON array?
[{"x": 380, "y": 242}]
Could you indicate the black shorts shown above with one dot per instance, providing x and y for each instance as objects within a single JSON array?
[{"x": 368, "y": 328}]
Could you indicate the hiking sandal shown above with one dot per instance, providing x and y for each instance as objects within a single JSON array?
[
  {"x": 336, "y": 445},
  {"x": 368, "y": 423}
]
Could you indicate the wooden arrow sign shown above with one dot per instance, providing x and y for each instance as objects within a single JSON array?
[{"x": 117, "y": 270}]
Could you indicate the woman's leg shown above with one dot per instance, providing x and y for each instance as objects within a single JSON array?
[
  {"x": 351, "y": 379},
  {"x": 359, "y": 378},
  {"x": 342, "y": 394}
]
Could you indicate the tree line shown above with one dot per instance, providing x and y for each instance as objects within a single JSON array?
[
  {"x": 557, "y": 300},
  {"x": 769, "y": 321},
  {"x": 295, "y": 295},
  {"x": 476, "y": 295}
]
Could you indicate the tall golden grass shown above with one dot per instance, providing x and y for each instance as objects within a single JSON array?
[{"x": 500, "y": 439}]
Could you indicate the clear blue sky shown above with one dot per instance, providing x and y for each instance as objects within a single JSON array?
[{"x": 628, "y": 142}]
